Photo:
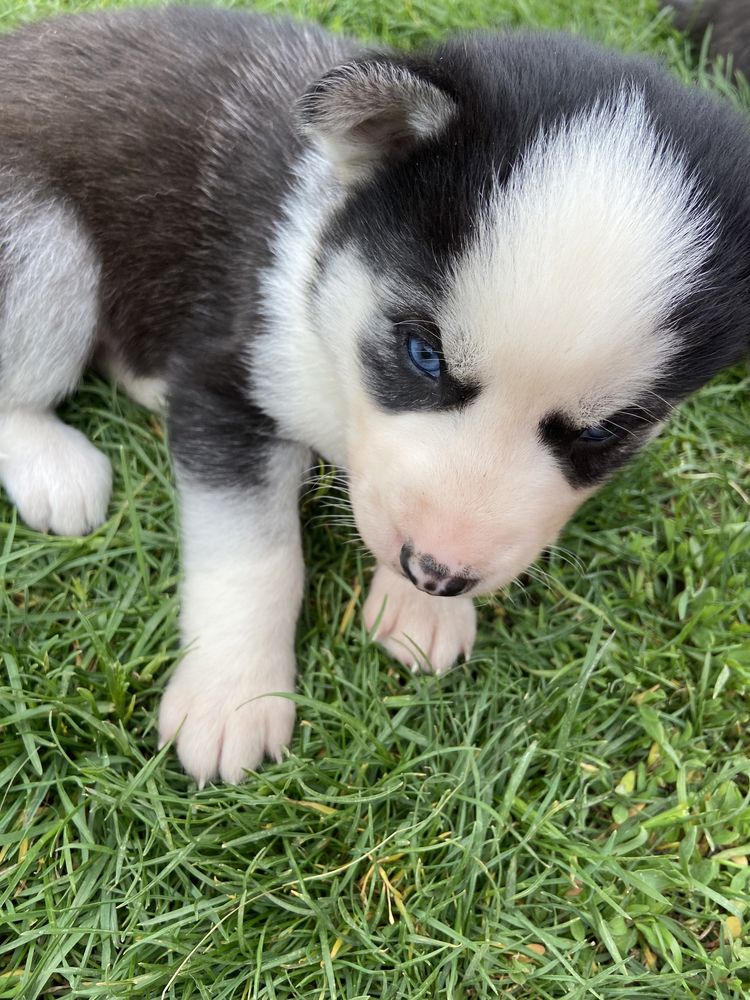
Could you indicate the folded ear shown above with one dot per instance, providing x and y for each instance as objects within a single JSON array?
[{"x": 365, "y": 111}]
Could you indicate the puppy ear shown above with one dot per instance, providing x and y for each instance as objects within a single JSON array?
[{"x": 366, "y": 111}]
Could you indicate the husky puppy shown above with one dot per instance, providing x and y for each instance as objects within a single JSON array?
[{"x": 478, "y": 279}]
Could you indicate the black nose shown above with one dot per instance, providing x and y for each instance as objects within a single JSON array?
[
  {"x": 427, "y": 574},
  {"x": 452, "y": 586}
]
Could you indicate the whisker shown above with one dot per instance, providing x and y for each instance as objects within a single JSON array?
[{"x": 567, "y": 556}]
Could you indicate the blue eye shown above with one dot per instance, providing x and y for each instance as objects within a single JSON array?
[
  {"x": 423, "y": 355},
  {"x": 596, "y": 434}
]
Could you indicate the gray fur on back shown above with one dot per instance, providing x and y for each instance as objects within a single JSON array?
[{"x": 123, "y": 114}]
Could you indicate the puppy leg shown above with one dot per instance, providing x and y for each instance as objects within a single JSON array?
[
  {"x": 242, "y": 587},
  {"x": 48, "y": 279},
  {"x": 423, "y": 632}
]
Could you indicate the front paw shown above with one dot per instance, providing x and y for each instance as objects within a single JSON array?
[
  {"x": 221, "y": 717},
  {"x": 56, "y": 477},
  {"x": 421, "y": 631}
]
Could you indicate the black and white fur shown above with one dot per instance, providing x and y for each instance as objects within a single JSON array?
[{"x": 251, "y": 222}]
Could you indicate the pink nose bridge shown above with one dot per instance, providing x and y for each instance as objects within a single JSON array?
[
  {"x": 451, "y": 536},
  {"x": 433, "y": 577}
]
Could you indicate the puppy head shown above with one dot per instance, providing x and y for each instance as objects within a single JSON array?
[{"x": 506, "y": 292}]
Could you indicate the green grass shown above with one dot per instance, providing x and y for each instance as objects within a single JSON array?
[{"x": 566, "y": 816}]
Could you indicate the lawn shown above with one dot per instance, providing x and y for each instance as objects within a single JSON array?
[{"x": 565, "y": 816}]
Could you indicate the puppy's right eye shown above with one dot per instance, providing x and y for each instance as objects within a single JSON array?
[
  {"x": 597, "y": 434},
  {"x": 424, "y": 356}
]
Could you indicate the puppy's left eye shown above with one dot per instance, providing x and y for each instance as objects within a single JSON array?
[
  {"x": 423, "y": 355},
  {"x": 597, "y": 434}
]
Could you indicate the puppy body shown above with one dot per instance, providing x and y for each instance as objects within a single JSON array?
[{"x": 478, "y": 280}]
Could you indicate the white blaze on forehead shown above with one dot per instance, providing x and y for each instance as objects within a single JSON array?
[{"x": 578, "y": 261}]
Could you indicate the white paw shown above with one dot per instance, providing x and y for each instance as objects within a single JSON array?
[
  {"x": 222, "y": 719},
  {"x": 421, "y": 631},
  {"x": 145, "y": 390},
  {"x": 58, "y": 480}
]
